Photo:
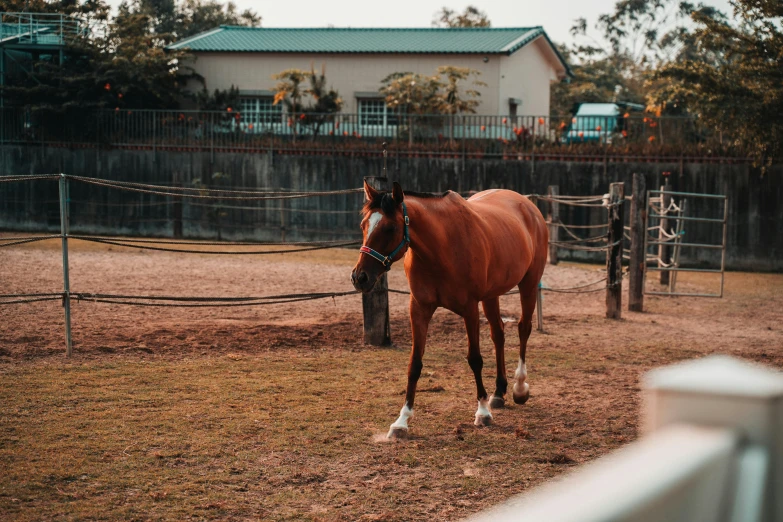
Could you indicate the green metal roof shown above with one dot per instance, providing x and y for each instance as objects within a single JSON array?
[{"x": 339, "y": 40}]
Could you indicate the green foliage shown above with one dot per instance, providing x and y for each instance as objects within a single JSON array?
[
  {"x": 412, "y": 93},
  {"x": 218, "y": 100},
  {"x": 324, "y": 102},
  {"x": 415, "y": 93},
  {"x": 738, "y": 89},
  {"x": 470, "y": 17},
  {"x": 197, "y": 16},
  {"x": 123, "y": 62}
]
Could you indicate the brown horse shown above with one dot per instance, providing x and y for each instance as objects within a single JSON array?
[{"x": 458, "y": 253}]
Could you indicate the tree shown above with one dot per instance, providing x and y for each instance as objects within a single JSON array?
[
  {"x": 596, "y": 80},
  {"x": 471, "y": 17},
  {"x": 634, "y": 39},
  {"x": 419, "y": 94},
  {"x": 738, "y": 87},
  {"x": 197, "y": 16},
  {"x": 289, "y": 90},
  {"x": 412, "y": 93},
  {"x": 218, "y": 100}
]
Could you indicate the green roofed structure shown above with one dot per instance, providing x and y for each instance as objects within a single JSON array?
[{"x": 517, "y": 64}]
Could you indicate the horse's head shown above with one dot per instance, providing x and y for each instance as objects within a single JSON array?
[{"x": 385, "y": 230}]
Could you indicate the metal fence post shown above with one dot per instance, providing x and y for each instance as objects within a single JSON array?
[
  {"x": 375, "y": 303},
  {"x": 637, "y": 263},
  {"x": 554, "y": 217},
  {"x": 539, "y": 309},
  {"x": 614, "y": 253},
  {"x": 64, "y": 215},
  {"x": 664, "y": 252}
]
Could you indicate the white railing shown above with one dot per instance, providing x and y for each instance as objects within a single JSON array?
[{"x": 712, "y": 452}]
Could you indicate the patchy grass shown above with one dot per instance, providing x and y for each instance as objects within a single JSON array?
[{"x": 228, "y": 415}]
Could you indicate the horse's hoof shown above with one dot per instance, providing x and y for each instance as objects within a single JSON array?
[
  {"x": 397, "y": 433},
  {"x": 483, "y": 420},
  {"x": 522, "y": 397},
  {"x": 497, "y": 402}
]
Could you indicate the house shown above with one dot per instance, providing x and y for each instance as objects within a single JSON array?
[{"x": 517, "y": 64}]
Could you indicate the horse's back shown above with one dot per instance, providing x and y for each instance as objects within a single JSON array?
[
  {"x": 507, "y": 205},
  {"x": 515, "y": 231}
]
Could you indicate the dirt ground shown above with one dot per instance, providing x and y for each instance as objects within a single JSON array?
[{"x": 278, "y": 412}]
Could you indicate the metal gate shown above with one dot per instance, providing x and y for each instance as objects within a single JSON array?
[{"x": 666, "y": 216}]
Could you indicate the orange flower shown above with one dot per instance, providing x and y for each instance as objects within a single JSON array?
[
  {"x": 301, "y": 116},
  {"x": 483, "y": 128},
  {"x": 228, "y": 109},
  {"x": 646, "y": 120},
  {"x": 598, "y": 128},
  {"x": 562, "y": 125},
  {"x": 540, "y": 121},
  {"x": 625, "y": 134},
  {"x": 581, "y": 134},
  {"x": 626, "y": 115},
  {"x": 651, "y": 139},
  {"x": 250, "y": 126},
  {"x": 345, "y": 133},
  {"x": 505, "y": 120},
  {"x": 107, "y": 86}
]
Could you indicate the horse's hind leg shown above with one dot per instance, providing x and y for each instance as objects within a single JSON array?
[
  {"x": 483, "y": 415},
  {"x": 528, "y": 290},
  {"x": 492, "y": 312}
]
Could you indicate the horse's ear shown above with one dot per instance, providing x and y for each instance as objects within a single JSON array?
[
  {"x": 369, "y": 192},
  {"x": 397, "y": 193}
]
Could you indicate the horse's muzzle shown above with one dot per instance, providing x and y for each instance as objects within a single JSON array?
[{"x": 362, "y": 281}]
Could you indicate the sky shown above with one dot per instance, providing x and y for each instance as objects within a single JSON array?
[{"x": 556, "y": 16}]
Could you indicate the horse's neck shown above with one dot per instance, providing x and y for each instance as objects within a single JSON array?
[{"x": 433, "y": 220}]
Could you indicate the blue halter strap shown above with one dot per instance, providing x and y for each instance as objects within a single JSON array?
[{"x": 388, "y": 260}]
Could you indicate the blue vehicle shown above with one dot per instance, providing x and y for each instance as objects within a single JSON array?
[{"x": 597, "y": 122}]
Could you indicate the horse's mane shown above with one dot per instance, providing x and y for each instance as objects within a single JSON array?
[{"x": 385, "y": 201}]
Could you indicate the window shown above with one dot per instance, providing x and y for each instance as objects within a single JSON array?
[
  {"x": 373, "y": 111},
  {"x": 260, "y": 110}
]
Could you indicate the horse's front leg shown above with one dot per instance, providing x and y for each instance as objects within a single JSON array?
[
  {"x": 483, "y": 415},
  {"x": 420, "y": 321}
]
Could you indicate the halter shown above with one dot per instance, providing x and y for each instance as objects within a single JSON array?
[{"x": 387, "y": 261}]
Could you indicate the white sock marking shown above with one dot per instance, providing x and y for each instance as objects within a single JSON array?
[
  {"x": 402, "y": 421},
  {"x": 483, "y": 409},
  {"x": 373, "y": 221},
  {"x": 520, "y": 376}
]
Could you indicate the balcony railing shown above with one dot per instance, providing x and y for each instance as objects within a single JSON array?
[
  {"x": 466, "y": 136},
  {"x": 40, "y": 28}
]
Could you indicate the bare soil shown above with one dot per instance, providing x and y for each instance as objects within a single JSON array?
[{"x": 278, "y": 412}]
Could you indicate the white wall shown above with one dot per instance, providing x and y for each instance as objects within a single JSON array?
[{"x": 526, "y": 73}]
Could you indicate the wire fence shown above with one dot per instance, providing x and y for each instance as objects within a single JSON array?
[{"x": 576, "y": 242}]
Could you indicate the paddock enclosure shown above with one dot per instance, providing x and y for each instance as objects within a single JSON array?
[{"x": 278, "y": 412}]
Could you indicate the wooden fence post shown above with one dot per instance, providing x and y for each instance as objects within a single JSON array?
[
  {"x": 554, "y": 219},
  {"x": 375, "y": 303},
  {"x": 638, "y": 262},
  {"x": 614, "y": 253},
  {"x": 664, "y": 252}
]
